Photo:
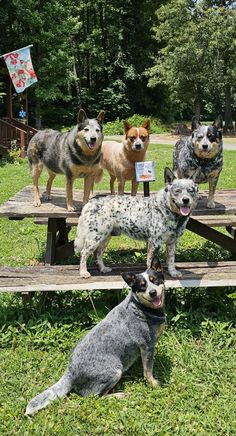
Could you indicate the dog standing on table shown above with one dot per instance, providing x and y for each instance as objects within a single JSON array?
[
  {"x": 204, "y": 150},
  {"x": 119, "y": 158},
  {"x": 160, "y": 218},
  {"x": 111, "y": 347},
  {"x": 75, "y": 153}
]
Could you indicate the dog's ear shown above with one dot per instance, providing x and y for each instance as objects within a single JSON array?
[
  {"x": 100, "y": 117},
  {"x": 127, "y": 126},
  {"x": 169, "y": 176},
  {"x": 82, "y": 116},
  {"x": 129, "y": 278},
  {"x": 156, "y": 264},
  {"x": 146, "y": 124},
  {"x": 196, "y": 176},
  {"x": 218, "y": 123},
  {"x": 195, "y": 123}
]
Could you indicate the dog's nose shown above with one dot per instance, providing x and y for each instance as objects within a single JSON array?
[
  {"x": 205, "y": 146},
  {"x": 93, "y": 139},
  {"x": 185, "y": 200},
  {"x": 153, "y": 293},
  {"x": 138, "y": 146}
]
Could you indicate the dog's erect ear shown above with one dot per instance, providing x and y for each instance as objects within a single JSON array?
[
  {"x": 81, "y": 116},
  {"x": 196, "y": 176},
  {"x": 146, "y": 124},
  {"x": 100, "y": 117},
  {"x": 195, "y": 123},
  {"x": 127, "y": 126},
  {"x": 218, "y": 123},
  {"x": 156, "y": 264},
  {"x": 129, "y": 278},
  {"x": 169, "y": 176}
]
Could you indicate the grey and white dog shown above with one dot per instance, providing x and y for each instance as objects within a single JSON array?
[
  {"x": 111, "y": 347},
  {"x": 204, "y": 150},
  {"x": 158, "y": 219}
]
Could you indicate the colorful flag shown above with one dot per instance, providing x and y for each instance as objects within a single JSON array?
[{"x": 20, "y": 68}]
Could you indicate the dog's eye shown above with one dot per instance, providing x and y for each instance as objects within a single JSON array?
[
  {"x": 86, "y": 129},
  {"x": 132, "y": 138},
  {"x": 143, "y": 138},
  {"x": 191, "y": 190},
  {"x": 151, "y": 279},
  {"x": 199, "y": 136},
  {"x": 97, "y": 130},
  {"x": 177, "y": 191}
]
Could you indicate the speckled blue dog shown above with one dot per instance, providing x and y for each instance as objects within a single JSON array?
[
  {"x": 203, "y": 150},
  {"x": 111, "y": 347},
  {"x": 158, "y": 219}
]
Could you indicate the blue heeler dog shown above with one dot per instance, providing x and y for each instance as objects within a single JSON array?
[
  {"x": 204, "y": 150},
  {"x": 158, "y": 219},
  {"x": 111, "y": 347},
  {"x": 75, "y": 153}
]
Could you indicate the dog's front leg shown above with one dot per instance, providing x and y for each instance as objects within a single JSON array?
[
  {"x": 212, "y": 187},
  {"x": 147, "y": 361},
  {"x": 121, "y": 186},
  {"x": 170, "y": 258},
  {"x": 134, "y": 187},
  {"x": 151, "y": 250},
  {"x": 88, "y": 187},
  {"x": 69, "y": 194}
]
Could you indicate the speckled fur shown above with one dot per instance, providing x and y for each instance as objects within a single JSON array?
[
  {"x": 111, "y": 347},
  {"x": 75, "y": 153},
  {"x": 204, "y": 150},
  {"x": 156, "y": 219}
]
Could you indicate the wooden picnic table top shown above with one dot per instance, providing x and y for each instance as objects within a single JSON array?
[{"x": 21, "y": 204}]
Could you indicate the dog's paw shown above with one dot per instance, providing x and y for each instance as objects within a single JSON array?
[
  {"x": 37, "y": 203},
  {"x": 84, "y": 274},
  {"x": 47, "y": 197},
  {"x": 105, "y": 269},
  {"x": 175, "y": 274},
  {"x": 71, "y": 208},
  {"x": 153, "y": 382},
  {"x": 211, "y": 204}
]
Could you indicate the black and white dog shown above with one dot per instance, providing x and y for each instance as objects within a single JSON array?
[
  {"x": 204, "y": 150},
  {"x": 158, "y": 219},
  {"x": 111, "y": 347}
]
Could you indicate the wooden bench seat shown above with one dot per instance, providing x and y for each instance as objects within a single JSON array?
[{"x": 66, "y": 278}]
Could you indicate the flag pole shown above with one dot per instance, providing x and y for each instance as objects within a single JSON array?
[{"x": 14, "y": 51}]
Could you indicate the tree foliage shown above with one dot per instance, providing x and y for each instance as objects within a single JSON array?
[{"x": 159, "y": 57}]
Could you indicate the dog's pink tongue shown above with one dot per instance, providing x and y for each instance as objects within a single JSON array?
[
  {"x": 91, "y": 145},
  {"x": 156, "y": 301},
  {"x": 184, "y": 210}
]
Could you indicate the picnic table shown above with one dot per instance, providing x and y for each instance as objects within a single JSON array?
[{"x": 59, "y": 221}]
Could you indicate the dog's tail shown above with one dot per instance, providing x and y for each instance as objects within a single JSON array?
[{"x": 58, "y": 390}]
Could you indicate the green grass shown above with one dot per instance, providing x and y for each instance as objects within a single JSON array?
[{"x": 195, "y": 358}]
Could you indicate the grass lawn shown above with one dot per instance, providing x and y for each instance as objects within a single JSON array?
[{"x": 195, "y": 357}]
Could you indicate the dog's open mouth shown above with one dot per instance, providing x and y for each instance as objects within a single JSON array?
[
  {"x": 184, "y": 210},
  {"x": 157, "y": 301},
  {"x": 91, "y": 145}
]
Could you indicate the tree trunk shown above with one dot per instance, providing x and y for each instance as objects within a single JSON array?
[
  {"x": 38, "y": 119},
  {"x": 197, "y": 109},
  {"x": 228, "y": 109}
]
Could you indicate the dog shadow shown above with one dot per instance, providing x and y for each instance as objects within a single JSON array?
[{"x": 162, "y": 367}]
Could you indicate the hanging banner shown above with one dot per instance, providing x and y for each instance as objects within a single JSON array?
[{"x": 20, "y": 68}]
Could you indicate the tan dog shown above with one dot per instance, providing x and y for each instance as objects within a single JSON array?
[{"x": 119, "y": 158}]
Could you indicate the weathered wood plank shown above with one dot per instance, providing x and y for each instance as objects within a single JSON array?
[
  {"x": 66, "y": 277},
  {"x": 21, "y": 204}
]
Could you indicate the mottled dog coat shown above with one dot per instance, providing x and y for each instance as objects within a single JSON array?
[
  {"x": 75, "y": 153},
  {"x": 111, "y": 347},
  {"x": 204, "y": 150},
  {"x": 119, "y": 158},
  {"x": 158, "y": 219}
]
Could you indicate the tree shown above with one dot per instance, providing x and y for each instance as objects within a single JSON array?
[{"x": 197, "y": 52}]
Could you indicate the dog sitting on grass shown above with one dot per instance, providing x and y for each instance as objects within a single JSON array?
[{"x": 111, "y": 347}]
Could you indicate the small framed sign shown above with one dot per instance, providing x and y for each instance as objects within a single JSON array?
[{"x": 145, "y": 171}]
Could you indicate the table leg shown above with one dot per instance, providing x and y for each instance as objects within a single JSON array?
[
  {"x": 58, "y": 246},
  {"x": 212, "y": 235}
]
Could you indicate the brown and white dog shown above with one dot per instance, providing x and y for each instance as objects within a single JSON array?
[{"x": 119, "y": 158}]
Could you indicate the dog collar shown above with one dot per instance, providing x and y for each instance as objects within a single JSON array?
[{"x": 157, "y": 315}]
